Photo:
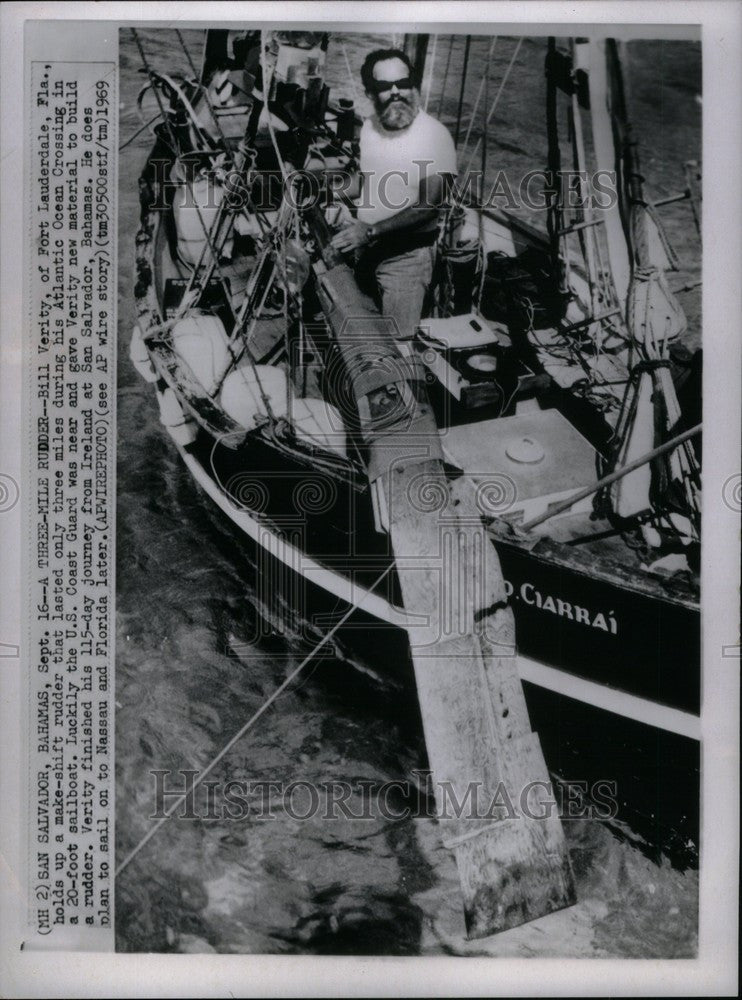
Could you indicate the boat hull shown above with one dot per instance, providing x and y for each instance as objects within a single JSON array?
[
  {"x": 646, "y": 645},
  {"x": 616, "y": 711},
  {"x": 610, "y": 672}
]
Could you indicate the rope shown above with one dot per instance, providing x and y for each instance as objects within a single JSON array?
[
  {"x": 239, "y": 319},
  {"x": 150, "y": 74},
  {"x": 187, "y": 53},
  {"x": 248, "y": 725}
]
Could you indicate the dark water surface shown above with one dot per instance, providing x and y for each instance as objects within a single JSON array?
[{"x": 189, "y": 675}]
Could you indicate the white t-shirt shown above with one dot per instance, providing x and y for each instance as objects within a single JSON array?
[{"x": 393, "y": 163}]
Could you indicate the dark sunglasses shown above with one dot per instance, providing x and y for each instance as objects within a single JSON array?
[{"x": 382, "y": 86}]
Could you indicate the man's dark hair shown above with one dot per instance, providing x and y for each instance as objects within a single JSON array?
[{"x": 381, "y": 55}]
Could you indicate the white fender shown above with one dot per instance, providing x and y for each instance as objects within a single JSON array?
[
  {"x": 194, "y": 208},
  {"x": 201, "y": 341},
  {"x": 315, "y": 421},
  {"x": 243, "y": 391},
  {"x": 181, "y": 427},
  {"x": 139, "y": 356}
]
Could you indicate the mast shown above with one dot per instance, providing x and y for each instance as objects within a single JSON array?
[
  {"x": 215, "y": 51},
  {"x": 609, "y": 134},
  {"x": 415, "y": 48},
  {"x": 554, "y": 157},
  {"x": 640, "y": 256}
]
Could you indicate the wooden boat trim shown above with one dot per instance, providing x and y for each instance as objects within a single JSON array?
[
  {"x": 628, "y": 706},
  {"x": 604, "y": 568}
]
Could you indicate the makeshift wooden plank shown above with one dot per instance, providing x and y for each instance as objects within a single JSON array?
[
  {"x": 508, "y": 876},
  {"x": 481, "y": 750},
  {"x": 484, "y": 757}
]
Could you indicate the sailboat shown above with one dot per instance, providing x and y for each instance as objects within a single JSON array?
[{"x": 545, "y": 368}]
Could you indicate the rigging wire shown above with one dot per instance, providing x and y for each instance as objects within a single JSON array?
[
  {"x": 586, "y": 234},
  {"x": 245, "y": 351},
  {"x": 168, "y": 125},
  {"x": 205, "y": 91},
  {"x": 475, "y": 109},
  {"x": 467, "y": 47},
  {"x": 294, "y": 219},
  {"x": 267, "y": 84},
  {"x": 350, "y": 73},
  {"x": 249, "y": 724},
  {"x": 187, "y": 54},
  {"x": 139, "y": 131},
  {"x": 445, "y": 77},
  {"x": 225, "y": 288},
  {"x": 504, "y": 80},
  {"x": 483, "y": 248},
  {"x": 220, "y": 209},
  {"x": 430, "y": 71},
  {"x": 158, "y": 98}
]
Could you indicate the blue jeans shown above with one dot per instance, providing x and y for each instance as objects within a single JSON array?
[{"x": 402, "y": 284}]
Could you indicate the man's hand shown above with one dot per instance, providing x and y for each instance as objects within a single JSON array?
[{"x": 353, "y": 236}]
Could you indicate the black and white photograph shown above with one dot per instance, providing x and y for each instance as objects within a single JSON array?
[
  {"x": 409, "y": 468},
  {"x": 372, "y": 503}
]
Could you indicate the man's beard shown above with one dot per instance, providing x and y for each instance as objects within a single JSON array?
[{"x": 398, "y": 112}]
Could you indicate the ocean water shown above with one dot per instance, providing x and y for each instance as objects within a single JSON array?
[{"x": 189, "y": 671}]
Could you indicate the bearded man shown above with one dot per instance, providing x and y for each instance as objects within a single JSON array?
[{"x": 407, "y": 161}]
